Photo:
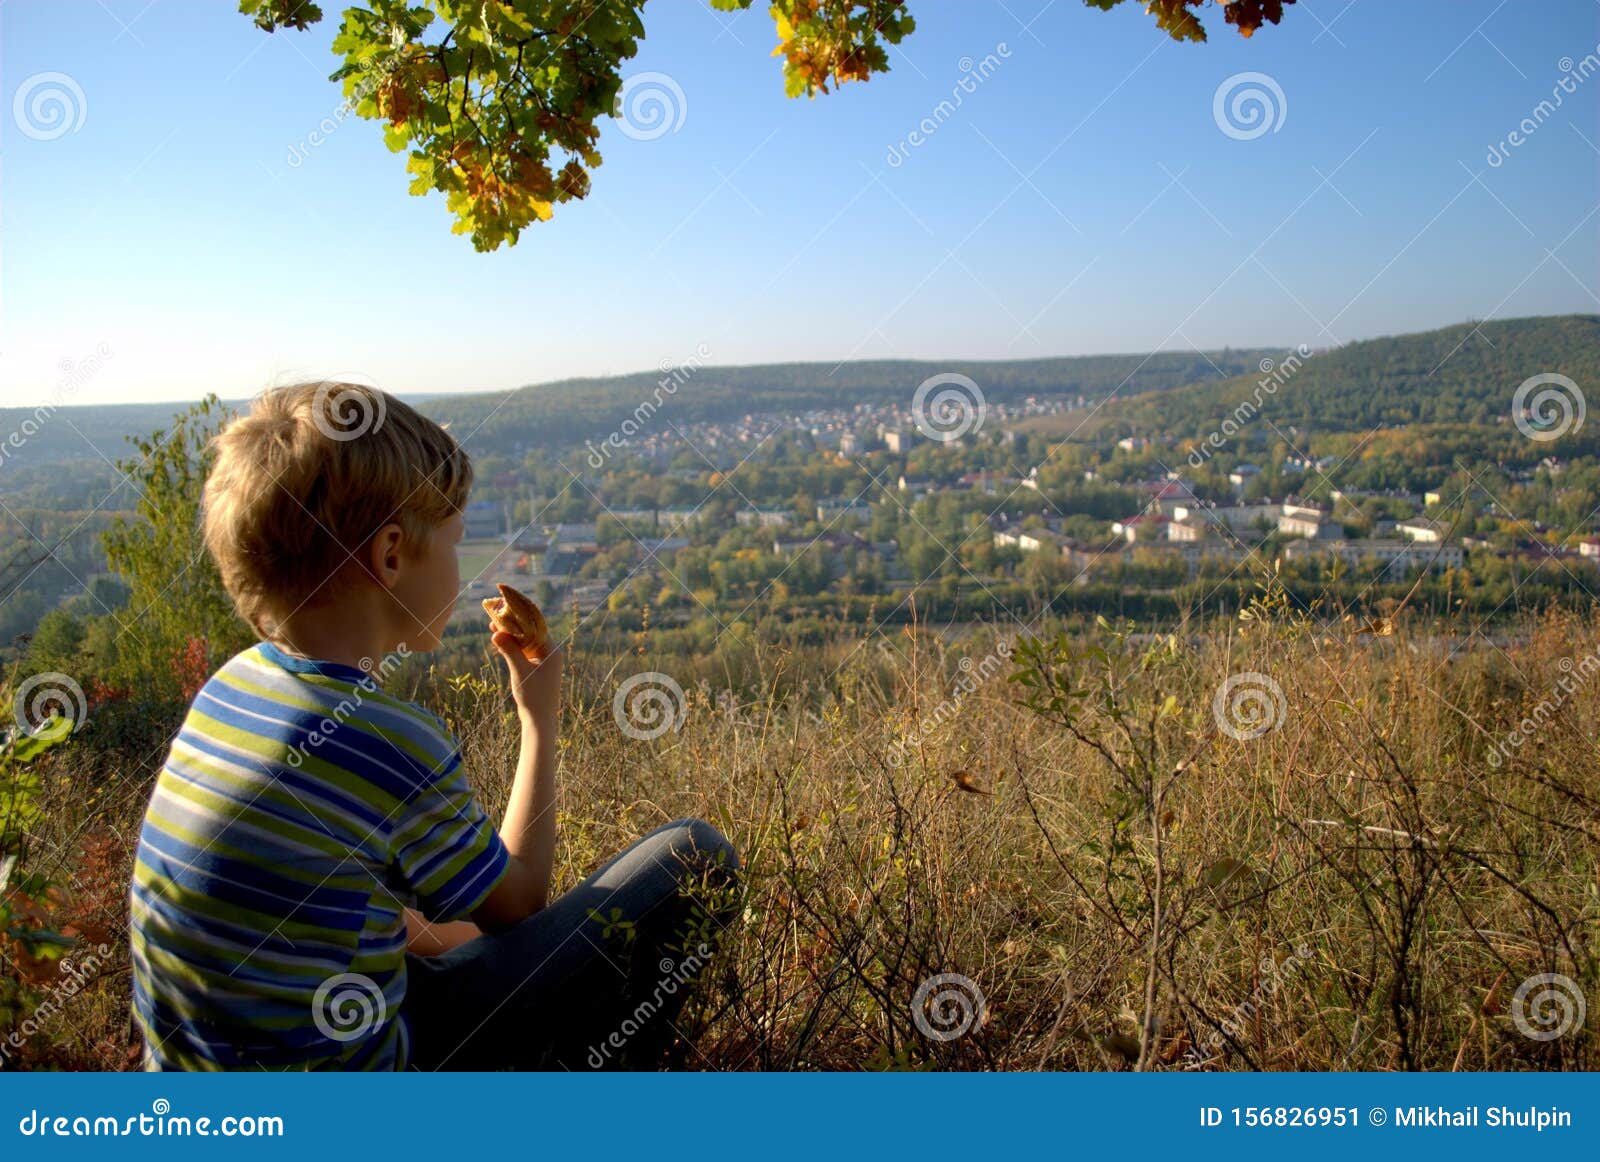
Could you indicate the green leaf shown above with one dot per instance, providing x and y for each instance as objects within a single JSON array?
[
  {"x": 28, "y": 747},
  {"x": 1227, "y": 872}
]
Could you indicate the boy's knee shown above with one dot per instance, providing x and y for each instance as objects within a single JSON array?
[{"x": 699, "y": 844}]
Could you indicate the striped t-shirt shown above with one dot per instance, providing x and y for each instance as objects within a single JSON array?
[{"x": 299, "y": 811}]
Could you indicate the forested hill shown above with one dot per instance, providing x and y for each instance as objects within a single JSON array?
[
  {"x": 1465, "y": 374},
  {"x": 570, "y": 411}
]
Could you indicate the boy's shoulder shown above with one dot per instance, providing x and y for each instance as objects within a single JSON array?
[{"x": 329, "y": 701}]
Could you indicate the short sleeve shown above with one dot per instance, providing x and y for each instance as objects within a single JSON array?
[{"x": 445, "y": 848}]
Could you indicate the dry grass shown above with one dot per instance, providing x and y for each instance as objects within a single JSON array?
[{"x": 1125, "y": 883}]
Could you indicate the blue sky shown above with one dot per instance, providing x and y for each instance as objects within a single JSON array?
[{"x": 1083, "y": 199}]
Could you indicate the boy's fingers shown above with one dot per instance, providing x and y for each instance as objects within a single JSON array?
[
  {"x": 510, "y": 649},
  {"x": 520, "y": 665}
]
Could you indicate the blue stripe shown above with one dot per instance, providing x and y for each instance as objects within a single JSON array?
[
  {"x": 249, "y": 885},
  {"x": 302, "y": 785},
  {"x": 376, "y": 760},
  {"x": 330, "y": 955}
]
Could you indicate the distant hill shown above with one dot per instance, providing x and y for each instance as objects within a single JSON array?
[
  {"x": 1465, "y": 374},
  {"x": 570, "y": 411}
]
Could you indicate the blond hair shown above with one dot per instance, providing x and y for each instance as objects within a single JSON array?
[{"x": 303, "y": 482}]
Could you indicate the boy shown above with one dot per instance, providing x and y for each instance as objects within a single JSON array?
[{"x": 316, "y": 886}]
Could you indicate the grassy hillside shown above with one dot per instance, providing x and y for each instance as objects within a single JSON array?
[{"x": 1363, "y": 884}]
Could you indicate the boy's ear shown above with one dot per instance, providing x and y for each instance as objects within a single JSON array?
[{"x": 383, "y": 555}]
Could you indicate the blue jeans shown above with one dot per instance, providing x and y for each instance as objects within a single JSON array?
[{"x": 594, "y": 980}]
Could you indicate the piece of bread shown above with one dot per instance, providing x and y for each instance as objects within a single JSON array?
[{"x": 515, "y": 614}]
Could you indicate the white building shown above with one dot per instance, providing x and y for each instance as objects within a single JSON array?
[
  {"x": 1167, "y": 496},
  {"x": 1147, "y": 526},
  {"x": 1041, "y": 540},
  {"x": 1422, "y": 530},
  {"x": 766, "y": 518},
  {"x": 1299, "y": 520},
  {"x": 1403, "y": 556},
  {"x": 1191, "y": 529},
  {"x": 843, "y": 508},
  {"x": 1242, "y": 476},
  {"x": 1237, "y": 517}
]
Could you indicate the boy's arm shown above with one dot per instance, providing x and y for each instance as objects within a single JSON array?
[
  {"x": 529, "y": 827},
  {"x": 426, "y": 939}
]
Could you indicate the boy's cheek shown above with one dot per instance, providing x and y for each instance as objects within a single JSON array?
[{"x": 434, "y": 630}]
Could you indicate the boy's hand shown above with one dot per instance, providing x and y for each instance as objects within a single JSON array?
[
  {"x": 517, "y": 614},
  {"x": 535, "y": 685}
]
